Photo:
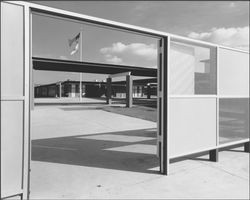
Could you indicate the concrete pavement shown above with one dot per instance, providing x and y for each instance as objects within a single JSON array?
[{"x": 86, "y": 152}]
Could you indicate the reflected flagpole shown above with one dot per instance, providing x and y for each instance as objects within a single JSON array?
[
  {"x": 78, "y": 41},
  {"x": 81, "y": 60}
]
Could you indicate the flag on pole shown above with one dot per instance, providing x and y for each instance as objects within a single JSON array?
[{"x": 74, "y": 42}]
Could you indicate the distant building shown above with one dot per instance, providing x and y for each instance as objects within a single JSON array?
[{"x": 93, "y": 89}]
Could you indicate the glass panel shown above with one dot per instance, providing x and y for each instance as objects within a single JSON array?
[
  {"x": 192, "y": 69},
  {"x": 233, "y": 119},
  {"x": 235, "y": 65},
  {"x": 52, "y": 36}
]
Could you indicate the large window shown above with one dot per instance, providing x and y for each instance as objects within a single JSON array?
[
  {"x": 100, "y": 44},
  {"x": 233, "y": 119},
  {"x": 192, "y": 69},
  {"x": 233, "y": 95}
]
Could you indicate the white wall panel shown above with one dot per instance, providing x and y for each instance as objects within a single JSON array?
[
  {"x": 12, "y": 83},
  {"x": 233, "y": 73},
  {"x": 12, "y": 98},
  {"x": 192, "y": 125},
  {"x": 11, "y": 146}
]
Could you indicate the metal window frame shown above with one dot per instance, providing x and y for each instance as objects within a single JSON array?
[
  {"x": 20, "y": 98},
  {"x": 30, "y": 8}
]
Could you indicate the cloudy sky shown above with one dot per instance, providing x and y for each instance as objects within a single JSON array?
[{"x": 225, "y": 22}]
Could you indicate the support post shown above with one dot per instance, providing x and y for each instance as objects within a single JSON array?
[
  {"x": 148, "y": 91},
  {"x": 81, "y": 60},
  {"x": 60, "y": 89},
  {"x": 80, "y": 88},
  {"x": 129, "y": 91},
  {"x": 246, "y": 147},
  {"x": 109, "y": 91},
  {"x": 163, "y": 102},
  {"x": 214, "y": 155},
  {"x": 70, "y": 90}
]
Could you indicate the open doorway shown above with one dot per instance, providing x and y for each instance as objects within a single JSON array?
[{"x": 83, "y": 144}]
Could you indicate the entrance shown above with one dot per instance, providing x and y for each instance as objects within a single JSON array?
[
  {"x": 17, "y": 95},
  {"x": 91, "y": 118}
]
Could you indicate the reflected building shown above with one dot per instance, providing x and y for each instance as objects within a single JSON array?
[{"x": 141, "y": 88}]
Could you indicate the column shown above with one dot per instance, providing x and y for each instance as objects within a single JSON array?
[
  {"x": 148, "y": 91},
  {"x": 129, "y": 91},
  {"x": 109, "y": 91},
  {"x": 80, "y": 87},
  {"x": 60, "y": 90}
]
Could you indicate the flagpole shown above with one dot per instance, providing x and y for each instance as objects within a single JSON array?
[{"x": 81, "y": 60}]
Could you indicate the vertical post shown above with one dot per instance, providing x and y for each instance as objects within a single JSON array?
[
  {"x": 81, "y": 60},
  {"x": 246, "y": 147},
  {"x": 80, "y": 87},
  {"x": 214, "y": 155},
  {"x": 60, "y": 89},
  {"x": 71, "y": 89},
  {"x": 148, "y": 91},
  {"x": 129, "y": 91},
  {"x": 109, "y": 91},
  {"x": 159, "y": 104},
  {"x": 163, "y": 104},
  {"x": 165, "y": 100},
  {"x": 29, "y": 101},
  {"x": 212, "y": 68}
]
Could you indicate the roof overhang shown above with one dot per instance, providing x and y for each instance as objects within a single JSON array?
[{"x": 49, "y": 64}]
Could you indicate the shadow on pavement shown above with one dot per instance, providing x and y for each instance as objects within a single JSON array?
[{"x": 126, "y": 150}]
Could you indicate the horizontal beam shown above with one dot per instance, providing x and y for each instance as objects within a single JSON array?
[
  {"x": 49, "y": 64},
  {"x": 41, "y": 9},
  {"x": 119, "y": 74},
  {"x": 202, "y": 150}
]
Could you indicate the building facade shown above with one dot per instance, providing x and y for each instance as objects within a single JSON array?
[{"x": 93, "y": 89}]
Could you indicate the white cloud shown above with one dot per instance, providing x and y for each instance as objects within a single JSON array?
[
  {"x": 64, "y": 57},
  {"x": 237, "y": 37},
  {"x": 131, "y": 54},
  {"x": 139, "y": 49},
  {"x": 113, "y": 59}
]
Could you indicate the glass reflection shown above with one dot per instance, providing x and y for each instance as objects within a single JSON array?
[
  {"x": 192, "y": 69},
  {"x": 233, "y": 119}
]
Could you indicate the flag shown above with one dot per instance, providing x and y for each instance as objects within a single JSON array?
[
  {"x": 74, "y": 41},
  {"x": 75, "y": 49}
]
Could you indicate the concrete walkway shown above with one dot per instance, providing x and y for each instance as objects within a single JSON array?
[
  {"x": 86, "y": 152},
  {"x": 67, "y": 100}
]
